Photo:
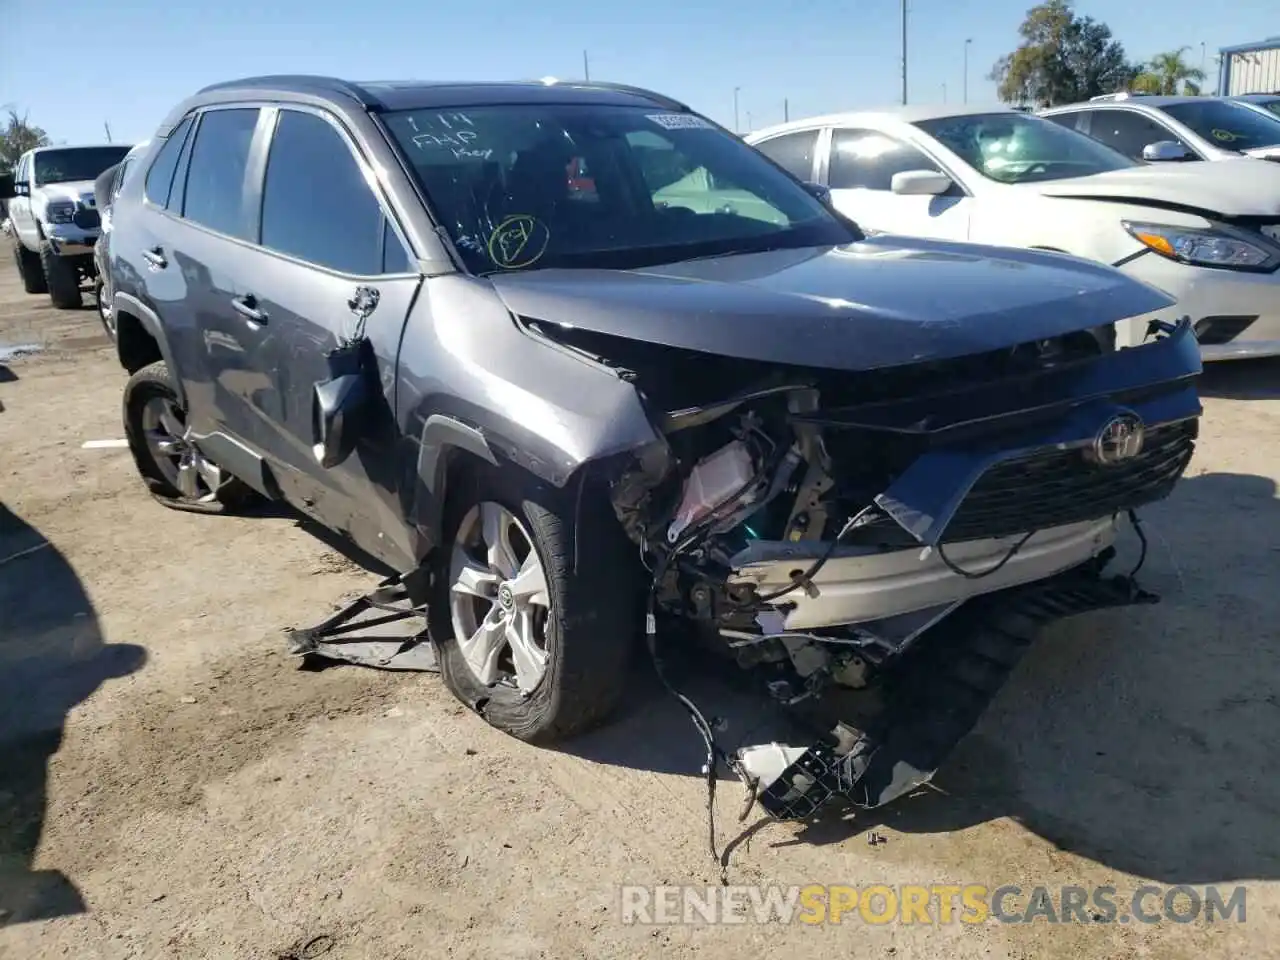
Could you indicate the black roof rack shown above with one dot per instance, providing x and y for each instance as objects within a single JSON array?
[{"x": 301, "y": 82}]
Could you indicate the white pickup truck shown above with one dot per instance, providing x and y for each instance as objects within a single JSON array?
[{"x": 54, "y": 219}]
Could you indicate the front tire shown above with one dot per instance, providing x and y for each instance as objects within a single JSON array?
[
  {"x": 63, "y": 279},
  {"x": 176, "y": 472},
  {"x": 29, "y": 269},
  {"x": 536, "y": 604}
]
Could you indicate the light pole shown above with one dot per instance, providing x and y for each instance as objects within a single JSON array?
[
  {"x": 586, "y": 67},
  {"x": 904, "y": 52},
  {"x": 966, "y": 70},
  {"x": 735, "y": 110}
]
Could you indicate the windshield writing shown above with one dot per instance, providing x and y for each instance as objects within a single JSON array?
[
  {"x": 534, "y": 186},
  {"x": 83, "y": 163},
  {"x": 1231, "y": 126},
  {"x": 1015, "y": 148}
]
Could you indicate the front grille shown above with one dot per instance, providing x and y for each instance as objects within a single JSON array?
[
  {"x": 86, "y": 219},
  {"x": 1053, "y": 488}
]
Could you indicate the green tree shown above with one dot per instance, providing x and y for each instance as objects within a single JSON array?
[
  {"x": 1167, "y": 72},
  {"x": 1063, "y": 58},
  {"x": 17, "y": 136}
]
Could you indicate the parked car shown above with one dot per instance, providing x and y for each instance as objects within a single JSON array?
[
  {"x": 104, "y": 198},
  {"x": 1207, "y": 238},
  {"x": 1177, "y": 129},
  {"x": 1270, "y": 102},
  {"x": 55, "y": 219},
  {"x": 798, "y": 443}
]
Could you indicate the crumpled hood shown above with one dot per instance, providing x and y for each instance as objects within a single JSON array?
[
  {"x": 886, "y": 301},
  {"x": 1241, "y": 187}
]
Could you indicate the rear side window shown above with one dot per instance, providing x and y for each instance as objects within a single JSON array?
[
  {"x": 216, "y": 172},
  {"x": 160, "y": 177},
  {"x": 316, "y": 204},
  {"x": 793, "y": 152}
]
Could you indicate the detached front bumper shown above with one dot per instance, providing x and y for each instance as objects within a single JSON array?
[
  {"x": 69, "y": 240},
  {"x": 1236, "y": 315},
  {"x": 937, "y": 695}
]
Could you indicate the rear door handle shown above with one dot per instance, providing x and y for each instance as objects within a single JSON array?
[
  {"x": 247, "y": 307},
  {"x": 155, "y": 257}
]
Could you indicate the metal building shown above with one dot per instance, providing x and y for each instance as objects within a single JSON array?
[{"x": 1250, "y": 68}]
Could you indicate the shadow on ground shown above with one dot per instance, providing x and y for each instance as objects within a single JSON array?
[
  {"x": 52, "y": 657},
  {"x": 1141, "y": 738}
]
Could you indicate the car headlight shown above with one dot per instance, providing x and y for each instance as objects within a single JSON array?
[
  {"x": 59, "y": 211},
  {"x": 1216, "y": 247}
]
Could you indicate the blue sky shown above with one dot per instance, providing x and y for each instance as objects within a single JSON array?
[{"x": 821, "y": 55}]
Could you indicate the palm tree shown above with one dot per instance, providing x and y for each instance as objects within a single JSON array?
[{"x": 1166, "y": 71}]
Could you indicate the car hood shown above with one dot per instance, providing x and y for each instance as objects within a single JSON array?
[
  {"x": 1240, "y": 187},
  {"x": 76, "y": 190},
  {"x": 886, "y": 301}
]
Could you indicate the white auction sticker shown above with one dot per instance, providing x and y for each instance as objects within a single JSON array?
[{"x": 679, "y": 121}]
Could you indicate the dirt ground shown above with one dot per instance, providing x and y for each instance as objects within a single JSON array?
[{"x": 173, "y": 785}]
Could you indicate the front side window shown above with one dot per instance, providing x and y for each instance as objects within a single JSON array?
[
  {"x": 216, "y": 172},
  {"x": 1017, "y": 148},
  {"x": 75, "y": 163},
  {"x": 868, "y": 159},
  {"x": 793, "y": 152},
  {"x": 577, "y": 185},
  {"x": 1128, "y": 131},
  {"x": 1231, "y": 126},
  {"x": 159, "y": 180},
  {"x": 316, "y": 204}
]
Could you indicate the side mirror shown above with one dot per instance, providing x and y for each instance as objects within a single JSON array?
[
  {"x": 1166, "y": 151},
  {"x": 337, "y": 417},
  {"x": 920, "y": 183},
  {"x": 818, "y": 191},
  {"x": 7, "y": 191}
]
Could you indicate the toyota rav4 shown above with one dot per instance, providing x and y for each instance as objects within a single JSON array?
[{"x": 587, "y": 368}]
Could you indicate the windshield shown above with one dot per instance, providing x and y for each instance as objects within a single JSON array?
[
  {"x": 1016, "y": 148},
  {"x": 1226, "y": 124},
  {"x": 1272, "y": 105},
  {"x": 76, "y": 163},
  {"x": 554, "y": 185}
]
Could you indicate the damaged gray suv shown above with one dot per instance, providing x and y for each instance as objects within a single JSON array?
[{"x": 583, "y": 366}]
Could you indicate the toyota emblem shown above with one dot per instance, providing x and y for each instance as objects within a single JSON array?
[{"x": 1119, "y": 439}]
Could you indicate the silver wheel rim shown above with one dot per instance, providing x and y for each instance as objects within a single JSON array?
[
  {"x": 498, "y": 599},
  {"x": 175, "y": 453},
  {"x": 104, "y": 311}
]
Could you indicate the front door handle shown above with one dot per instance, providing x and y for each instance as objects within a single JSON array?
[
  {"x": 247, "y": 307},
  {"x": 155, "y": 257}
]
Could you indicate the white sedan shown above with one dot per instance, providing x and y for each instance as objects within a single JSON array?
[{"x": 1208, "y": 234}]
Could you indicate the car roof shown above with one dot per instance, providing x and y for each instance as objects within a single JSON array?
[
  {"x": 910, "y": 113},
  {"x": 1138, "y": 100},
  {"x": 377, "y": 96}
]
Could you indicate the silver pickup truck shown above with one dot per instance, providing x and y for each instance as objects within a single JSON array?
[{"x": 54, "y": 219}]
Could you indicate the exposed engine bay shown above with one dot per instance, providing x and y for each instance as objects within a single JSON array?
[{"x": 878, "y": 547}]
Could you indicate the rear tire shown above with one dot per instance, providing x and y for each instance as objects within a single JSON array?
[
  {"x": 29, "y": 269},
  {"x": 587, "y": 629},
  {"x": 172, "y": 466},
  {"x": 63, "y": 279}
]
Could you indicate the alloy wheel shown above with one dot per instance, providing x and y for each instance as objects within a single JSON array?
[
  {"x": 498, "y": 599},
  {"x": 173, "y": 449}
]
